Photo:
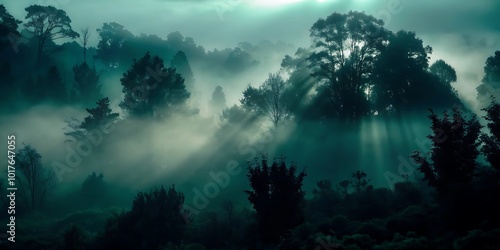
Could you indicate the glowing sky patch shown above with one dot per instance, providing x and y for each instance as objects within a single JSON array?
[{"x": 274, "y": 2}]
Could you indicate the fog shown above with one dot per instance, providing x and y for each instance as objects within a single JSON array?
[{"x": 198, "y": 94}]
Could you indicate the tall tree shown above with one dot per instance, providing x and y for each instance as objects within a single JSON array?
[
  {"x": 35, "y": 180},
  {"x": 302, "y": 86},
  {"x": 218, "y": 100},
  {"x": 8, "y": 28},
  {"x": 151, "y": 89},
  {"x": 86, "y": 86},
  {"x": 359, "y": 181},
  {"x": 269, "y": 99},
  {"x": 455, "y": 142},
  {"x": 444, "y": 71},
  {"x": 181, "y": 65},
  {"x": 154, "y": 220},
  {"x": 54, "y": 85},
  {"x": 344, "y": 49},
  {"x": 239, "y": 60},
  {"x": 47, "y": 24},
  {"x": 84, "y": 40},
  {"x": 111, "y": 38},
  {"x": 8, "y": 87},
  {"x": 490, "y": 85},
  {"x": 491, "y": 147},
  {"x": 398, "y": 70},
  {"x": 277, "y": 196},
  {"x": 99, "y": 118}
]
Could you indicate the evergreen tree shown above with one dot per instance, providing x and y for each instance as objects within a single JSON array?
[
  {"x": 151, "y": 89},
  {"x": 276, "y": 196}
]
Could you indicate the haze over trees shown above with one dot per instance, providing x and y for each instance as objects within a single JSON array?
[{"x": 292, "y": 152}]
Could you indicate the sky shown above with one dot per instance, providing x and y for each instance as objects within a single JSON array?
[{"x": 463, "y": 33}]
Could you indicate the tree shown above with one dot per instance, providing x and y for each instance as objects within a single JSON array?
[
  {"x": 301, "y": 92},
  {"x": 491, "y": 147},
  {"x": 8, "y": 28},
  {"x": 47, "y": 24},
  {"x": 55, "y": 86},
  {"x": 86, "y": 86},
  {"x": 111, "y": 38},
  {"x": 151, "y": 89},
  {"x": 181, "y": 65},
  {"x": 490, "y": 85},
  {"x": 35, "y": 180},
  {"x": 399, "y": 72},
  {"x": 8, "y": 87},
  {"x": 154, "y": 220},
  {"x": 403, "y": 81},
  {"x": 92, "y": 185},
  {"x": 268, "y": 100},
  {"x": 238, "y": 61},
  {"x": 99, "y": 118},
  {"x": 84, "y": 40},
  {"x": 218, "y": 101},
  {"x": 444, "y": 71},
  {"x": 324, "y": 202},
  {"x": 276, "y": 196},
  {"x": 345, "y": 47},
  {"x": 455, "y": 142},
  {"x": 359, "y": 181},
  {"x": 228, "y": 207}
]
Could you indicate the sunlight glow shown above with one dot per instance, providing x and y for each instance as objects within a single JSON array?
[{"x": 275, "y": 2}]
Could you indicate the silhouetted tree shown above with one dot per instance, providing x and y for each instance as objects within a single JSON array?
[
  {"x": 277, "y": 196},
  {"x": 218, "y": 101},
  {"x": 324, "y": 203},
  {"x": 99, "y": 118},
  {"x": 344, "y": 187},
  {"x": 181, "y": 65},
  {"x": 359, "y": 181},
  {"x": 94, "y": 188},
  {"x": 151, "y": 89},
  {"x": 239, "y": 60},
  {"x": 300, "y": 85},
  {"x": 398, "y": 70},
  {"x": 54, "y": 86},
  {"x": 153, "y": 221},
  {"x": 8, "y": 87},
  {"x": 490, "y": 85},
  {"x": 177, "y": 42},
  {"x": 8, "y": 28},
  {"x": 84, "y": 40},
  {"x": 47, "y": 24},
  {"x": 268, "y": 100},
  {"x": 86, "y": 86},
  {"x": 111, "y": 38},
  {"x": 444, "y": 71},
  {"x": 35, "y": 180},
  {"x": 345, "y": 47},
  {"x": 404, "y": 82},
  {"x": 228, "y": 207},
  {"x": 455, "y": 142},
  {"x": 491, "y": 146}
]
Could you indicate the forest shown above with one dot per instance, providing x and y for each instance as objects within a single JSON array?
[{"x": 357, "y": 140}]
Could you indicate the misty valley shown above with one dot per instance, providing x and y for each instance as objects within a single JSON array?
[{"x": 244, "y": 124}]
